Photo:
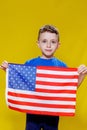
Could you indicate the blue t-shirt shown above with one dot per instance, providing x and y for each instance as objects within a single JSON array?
[
  {"x": 53, "y": 120},
  {"x": 45, "y": 62}
]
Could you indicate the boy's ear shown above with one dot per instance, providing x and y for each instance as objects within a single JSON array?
[
  {"x": 58, "y": 44},
  {"x": 37, "y": 43}
]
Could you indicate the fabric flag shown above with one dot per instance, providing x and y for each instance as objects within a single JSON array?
[{"x": 42, "y": 90}]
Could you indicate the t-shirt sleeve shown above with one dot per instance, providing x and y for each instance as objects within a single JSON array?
[
  {"x": 64, "y": 65},
  {"x": 27, "y": 62}
]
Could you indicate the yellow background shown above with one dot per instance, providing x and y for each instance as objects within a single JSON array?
[{"x": 19, "y": 24}]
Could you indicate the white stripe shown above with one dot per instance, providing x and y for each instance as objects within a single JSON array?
[
  {"x": 42, "y": 108},
  {"x": 56, "y": 80},
  {"x": 56, "y": 87},
  {"x": 43, "y": 94},
  {"x": 41, "y": 101},
  {"x": 41, "y": 71}
]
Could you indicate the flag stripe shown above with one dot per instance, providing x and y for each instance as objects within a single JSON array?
[
  {"x": 56, "y": 76},
  {"x": 57, "y": 72},
  {"x": 42, "y": 101},
  {"x": 56, "y": 84},
  {"x": 43, "y": 94},
  {"x": 55, "y": 91},
  {"x": 56, "y": 68},
  {"x": 56, "y": 87},
  {"x": 41, "y": 113},
  {"x": 40, "y": 105},
  {"x": 41, "y": 97},
  {"x": 55, "y": 80},
  {"x": 41, "y": 109}
]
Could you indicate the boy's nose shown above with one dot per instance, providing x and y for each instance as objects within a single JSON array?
[{"x": 48, "y": 44}]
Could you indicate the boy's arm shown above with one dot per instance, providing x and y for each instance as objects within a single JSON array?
[{"x": 82, "y": 70}]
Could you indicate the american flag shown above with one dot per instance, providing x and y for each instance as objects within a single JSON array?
[{"x": 41, "y": 90}]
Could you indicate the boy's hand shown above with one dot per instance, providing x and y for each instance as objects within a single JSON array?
[
  {"x": 82, "y": 70},
  {"x": 4, "y": 65}
]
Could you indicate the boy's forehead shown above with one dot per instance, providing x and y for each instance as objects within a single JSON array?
[{"x": 48, "y": 35}]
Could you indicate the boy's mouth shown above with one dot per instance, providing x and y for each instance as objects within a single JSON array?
[{"x": 49, "y": 50}]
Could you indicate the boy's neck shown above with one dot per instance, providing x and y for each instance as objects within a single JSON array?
[{"x": 44, "y": 57}]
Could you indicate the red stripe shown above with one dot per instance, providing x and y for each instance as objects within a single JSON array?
[
  {"x": 56, "y": 91},
  {"x": 56, "y": 84},
  {"x": 41, "y": 97},
  {"x": 43, "y": 112},
  {"x": 40, "y": 104},
  {"x": 56, "y": 76},
  {"x": 54, "y": 68}
]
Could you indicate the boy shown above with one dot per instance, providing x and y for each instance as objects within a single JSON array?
[{"x": 48, "y": 42}]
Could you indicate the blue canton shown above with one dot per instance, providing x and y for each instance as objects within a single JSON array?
[{"x": 22, "y": 77}]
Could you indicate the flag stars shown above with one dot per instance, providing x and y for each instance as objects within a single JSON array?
[{"x": 22, "y": 77}]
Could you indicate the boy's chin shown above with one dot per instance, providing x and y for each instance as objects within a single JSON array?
[{"x": 47, "y": 56}]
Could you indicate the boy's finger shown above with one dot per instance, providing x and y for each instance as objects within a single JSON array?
[{"x": 1, "y": 67}]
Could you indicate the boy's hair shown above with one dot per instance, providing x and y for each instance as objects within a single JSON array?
[{"x": 48, "y": 28}]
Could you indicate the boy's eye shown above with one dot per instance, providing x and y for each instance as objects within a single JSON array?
[
  {"x": 53, "y": 41},
  {"x": 44, "y": 41}
]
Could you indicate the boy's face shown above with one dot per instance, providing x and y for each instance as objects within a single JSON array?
[{"x": 48, "y": 43}]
